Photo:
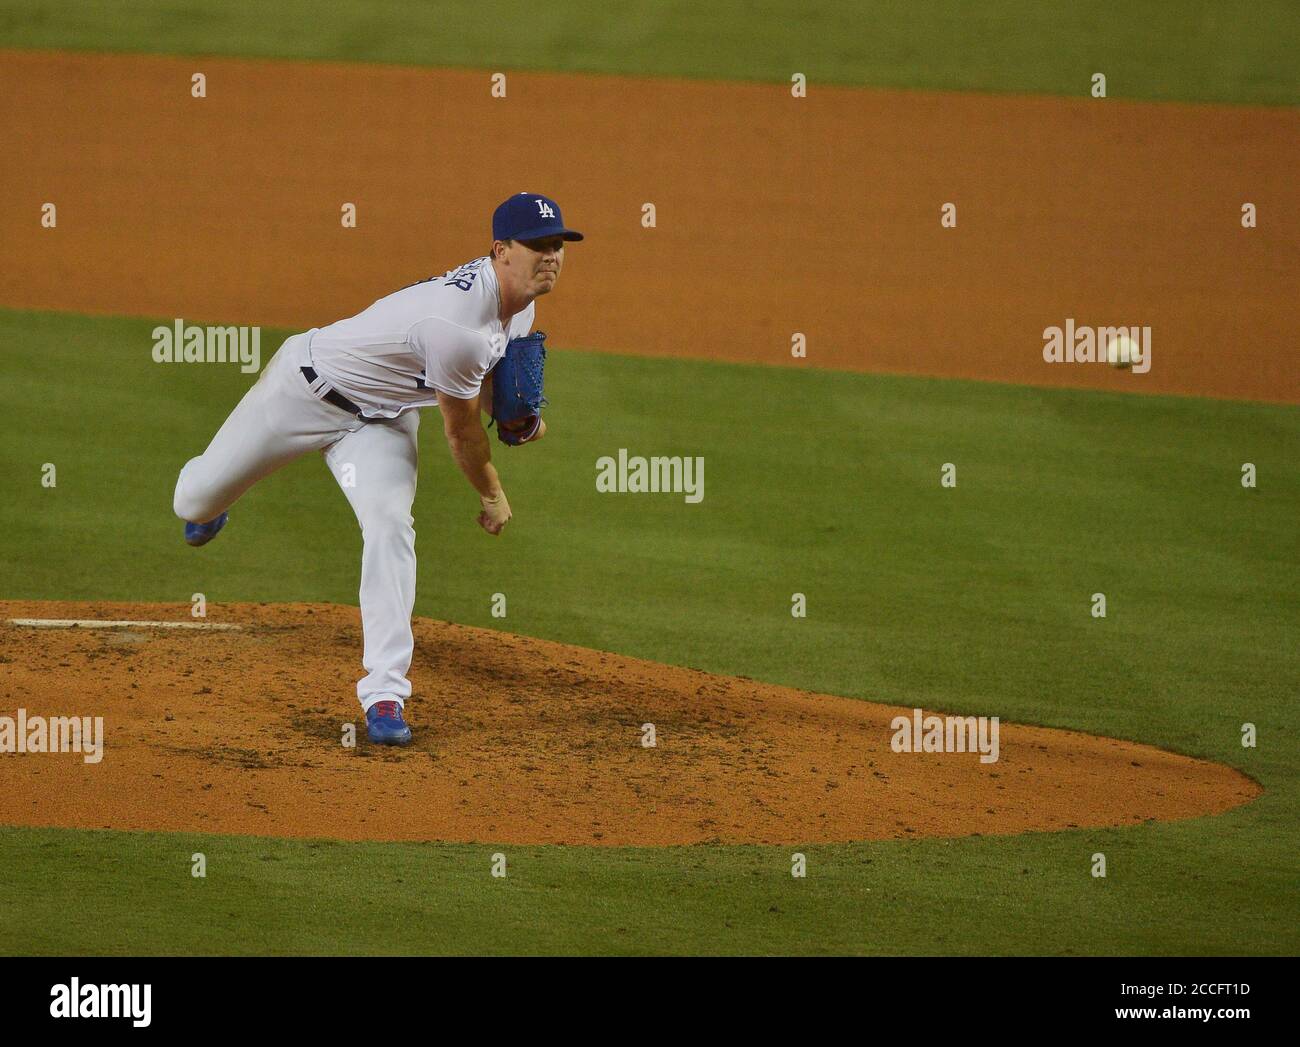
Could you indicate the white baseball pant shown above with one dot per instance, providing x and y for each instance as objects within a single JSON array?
[{"x": 280, "y": 419}]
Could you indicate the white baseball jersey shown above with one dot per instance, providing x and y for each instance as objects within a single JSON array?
[{"x": 440, "y": 335}]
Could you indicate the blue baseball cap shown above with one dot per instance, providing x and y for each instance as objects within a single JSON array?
[{"x": 529, "y": 216}]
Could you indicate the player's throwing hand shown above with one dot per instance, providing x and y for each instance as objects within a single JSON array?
[{"x": 495, "y": 514}]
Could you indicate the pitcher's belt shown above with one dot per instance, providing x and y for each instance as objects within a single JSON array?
[{"x": 329, "y": 395}]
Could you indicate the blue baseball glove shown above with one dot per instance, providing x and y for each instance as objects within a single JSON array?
[{"x": 517, "y": 399}]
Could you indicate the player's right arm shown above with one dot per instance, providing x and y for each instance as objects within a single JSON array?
[
  {"x": 472, "y": 451},
  {"x": 456, "y": 362}
]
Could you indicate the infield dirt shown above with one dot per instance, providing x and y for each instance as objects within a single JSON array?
[
  {"x": 518, "y": 740},
  {"x": 774, "y": 215}
]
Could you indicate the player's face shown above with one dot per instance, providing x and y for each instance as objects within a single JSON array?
[{"x": 540, "y": 262}]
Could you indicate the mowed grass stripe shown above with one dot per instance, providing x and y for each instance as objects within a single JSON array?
[
  {"x": 1183, "y": 889},
  {"x": 1201, "y": 50}
]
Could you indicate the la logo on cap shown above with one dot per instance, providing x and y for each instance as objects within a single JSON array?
[{"x": 516, "y": 220}]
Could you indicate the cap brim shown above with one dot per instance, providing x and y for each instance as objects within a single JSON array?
[{"x": 542, "y": 234}]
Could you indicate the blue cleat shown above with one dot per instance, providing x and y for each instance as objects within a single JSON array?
[
  {"x": 385, "y": 725},
  {"x": 201, "y": 534}
]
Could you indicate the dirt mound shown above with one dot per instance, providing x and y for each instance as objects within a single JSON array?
[{"x": 517, "y": 740}]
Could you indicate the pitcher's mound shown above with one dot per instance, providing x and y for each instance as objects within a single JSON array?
[{"x": 516, "y": 741}]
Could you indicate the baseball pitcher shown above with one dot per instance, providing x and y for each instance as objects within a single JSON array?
[{"x": 462, "y": 341}]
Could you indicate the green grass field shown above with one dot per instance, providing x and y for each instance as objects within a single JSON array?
[
  {"x": 974, "y": 599},
  {"x": 1194, "y": 50}
]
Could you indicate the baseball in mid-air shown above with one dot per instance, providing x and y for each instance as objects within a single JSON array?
[{"x": 1121, "y": 351}]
